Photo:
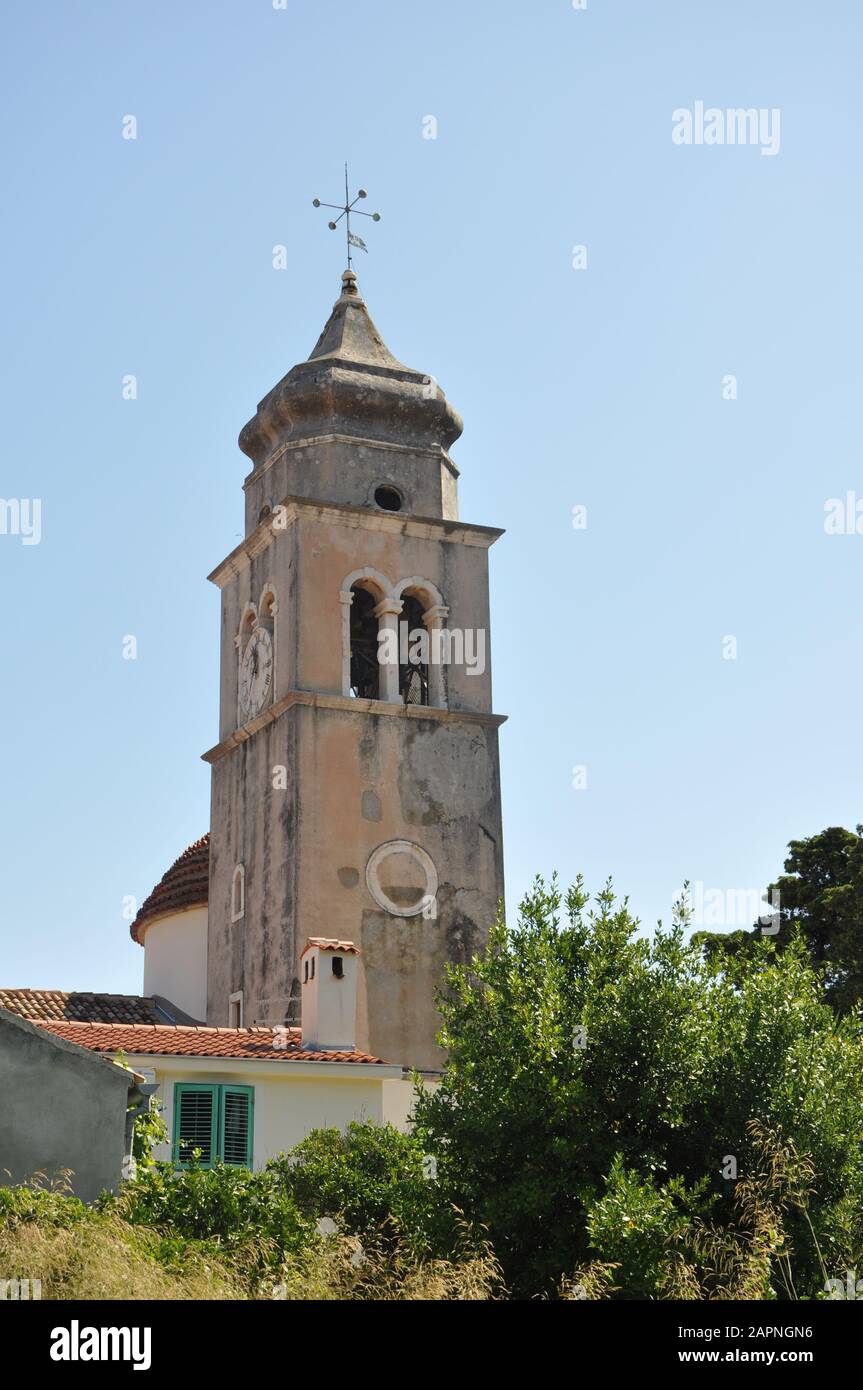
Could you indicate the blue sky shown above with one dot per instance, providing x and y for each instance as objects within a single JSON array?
[{"x": 599, "y": 387}]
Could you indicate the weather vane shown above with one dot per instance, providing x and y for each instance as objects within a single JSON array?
[{"x": 349, "y": 207}]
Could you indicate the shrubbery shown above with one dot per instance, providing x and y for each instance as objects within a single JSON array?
[
  {"x": 248, "y": 1219},
  {"x": 225, "y": 1233},
  {"x": 373, "y": 1180},
  {"x": 606, "y": 1093}
]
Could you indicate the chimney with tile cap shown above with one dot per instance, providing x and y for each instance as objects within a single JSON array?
[{"x": 329, "y": 998}]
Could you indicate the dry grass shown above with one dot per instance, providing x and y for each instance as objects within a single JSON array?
[
  {"x": 342, "y": 1270},
  {"x": 102, "y": 1258},
  {"x": 591, "y": 1282},
  {"x": 105, "y": 1259},
  {"x": 77, "y": 1252}
]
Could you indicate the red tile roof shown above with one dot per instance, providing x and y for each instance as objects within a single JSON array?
[
  {"x": 329, "y": 943},
  {"x": 266, "y": 1044},
  {"x": 40, "y": 1005},
  {"x": 186, "y": 884}
]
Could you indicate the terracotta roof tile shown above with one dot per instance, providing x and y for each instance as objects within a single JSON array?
[
  {"x": 186, "y": 884},
  {"x": 40, "y": 1005},
  {"x": 184, "y": 1041},
  {"x": 329, "y": 943}
]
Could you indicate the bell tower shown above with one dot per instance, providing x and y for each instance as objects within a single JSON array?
[{"x": 355, "y": 785}]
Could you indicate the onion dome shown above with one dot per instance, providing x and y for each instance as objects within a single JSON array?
[
  {"x": 352, "y": 385},
  {"x": 185, "y": 885}
]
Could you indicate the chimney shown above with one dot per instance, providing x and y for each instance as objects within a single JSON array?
[{"x": 329, "y": 1002}]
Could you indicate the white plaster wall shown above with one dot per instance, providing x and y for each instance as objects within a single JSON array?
[
  {"x": 398, "y": 1102},
  {"x": 289, "y": 1102},
  {"x": 175, "y": 960}
]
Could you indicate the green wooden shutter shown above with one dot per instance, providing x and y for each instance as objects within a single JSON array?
[
  {"x": 195, "y": 1122},
  {"x": 237, "y": 1123}
]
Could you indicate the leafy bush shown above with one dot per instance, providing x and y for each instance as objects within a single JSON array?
[
  {"x": 632, "y": 1224},
  {"x": 589, "y": 1064},
  {"x": 38, "y": 1203},
  {"x": 371, "y": 1178},
  {"x": 246, "y": 1218}
]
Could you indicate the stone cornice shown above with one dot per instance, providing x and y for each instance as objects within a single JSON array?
[
  {"x": 344, "y": 703},
  {"x": 422, "y": 527},
  {"x": 439, "y": 454}
]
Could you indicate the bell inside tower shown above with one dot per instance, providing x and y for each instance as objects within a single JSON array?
[{"x": 365, "y": 668}]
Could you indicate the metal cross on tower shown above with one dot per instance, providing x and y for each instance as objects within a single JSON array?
[{"x": 345, "y": 211}]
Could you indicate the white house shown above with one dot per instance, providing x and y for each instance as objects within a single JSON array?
[{"x": 241, "y": 1094}]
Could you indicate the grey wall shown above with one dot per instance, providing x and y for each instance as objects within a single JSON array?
[{"x": 60, "y": 1107}]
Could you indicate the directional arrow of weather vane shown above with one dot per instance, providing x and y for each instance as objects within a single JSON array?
[{"x": 345, "y": 212}]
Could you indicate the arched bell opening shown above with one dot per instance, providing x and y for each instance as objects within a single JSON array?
[
  {"x": 365, "y": 667},
  {"x": 414, "y": 669}
]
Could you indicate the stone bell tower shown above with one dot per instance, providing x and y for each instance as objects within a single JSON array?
[{"x": 355, "y": 786}]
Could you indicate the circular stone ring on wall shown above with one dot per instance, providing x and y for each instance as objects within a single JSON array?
[{"x": 378, "y": 892}]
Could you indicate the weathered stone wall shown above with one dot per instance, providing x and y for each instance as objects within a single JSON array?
[
  {"x": 358, "y": 776},
  {"x": 354, "y": 781},
  {"x": 256, "y": 826},
  {"x": 366, "y": 780},
  {"x": 349, "y": 472},
  {"x": 274, "y": 565}
]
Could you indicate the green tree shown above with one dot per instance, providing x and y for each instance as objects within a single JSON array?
[
  {"x": 821, "y": 893},
  {"x": 599, "y": 1083}
]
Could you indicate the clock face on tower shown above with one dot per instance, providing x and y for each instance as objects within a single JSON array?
[{"x": 256, "y": 673}]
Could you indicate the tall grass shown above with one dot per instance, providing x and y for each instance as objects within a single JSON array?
[{"x": 80, "y": 1252}]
